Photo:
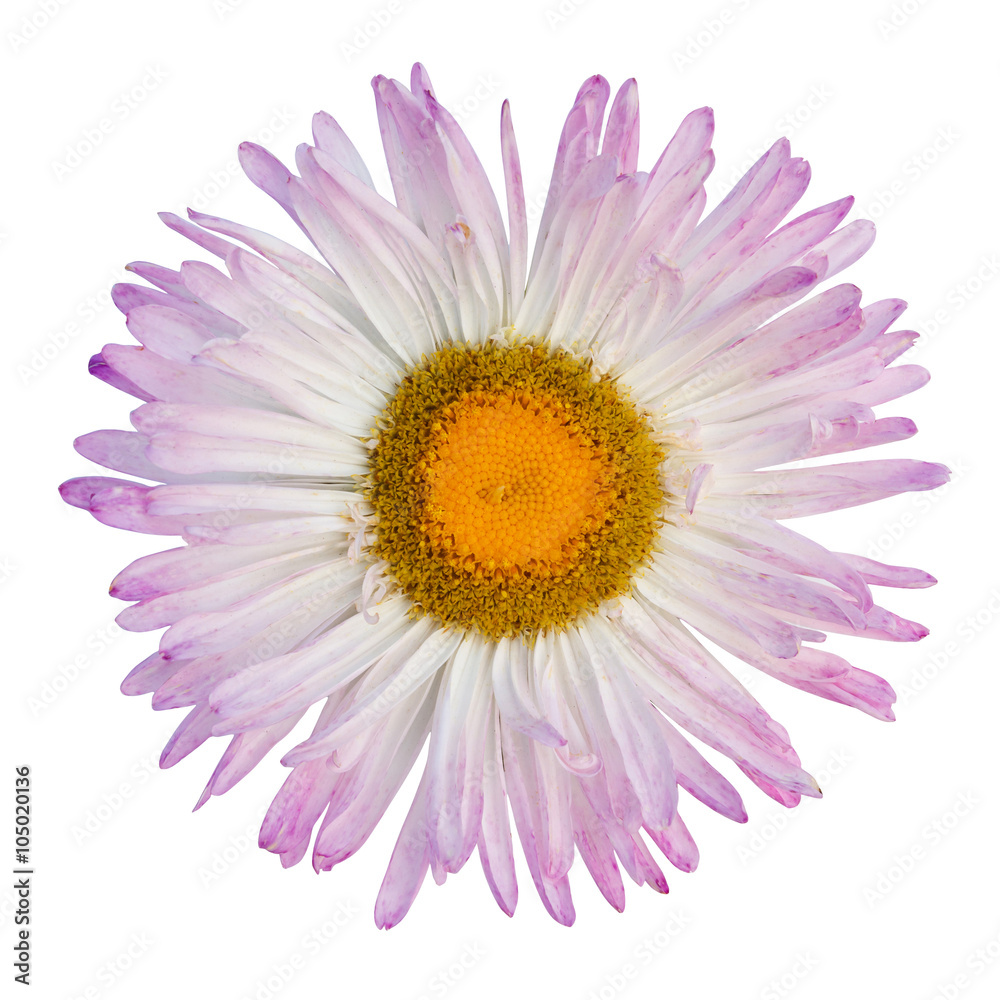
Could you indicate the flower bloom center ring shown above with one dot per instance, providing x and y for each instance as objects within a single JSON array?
[{"x": 514, "y": 488}]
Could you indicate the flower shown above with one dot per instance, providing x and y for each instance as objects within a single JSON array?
[{"x": 489, "y": 506}]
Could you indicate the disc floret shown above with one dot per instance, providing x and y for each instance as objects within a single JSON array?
[{"x": 514, "y": 489}]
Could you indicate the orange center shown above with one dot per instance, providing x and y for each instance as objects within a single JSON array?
[
  {"x": 513, "y": 489},
  {"x": 512, "y": 484}
]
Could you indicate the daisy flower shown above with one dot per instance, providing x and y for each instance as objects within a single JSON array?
[{"x": 461, "y": 497}]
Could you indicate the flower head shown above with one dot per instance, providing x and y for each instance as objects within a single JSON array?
[{"x": 488, "y": 506}]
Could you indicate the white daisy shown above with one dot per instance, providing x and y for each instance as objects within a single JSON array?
[{"x": 487, "y": 506}]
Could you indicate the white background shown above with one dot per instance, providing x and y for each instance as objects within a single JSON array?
[{"x": 885, "y": 888}]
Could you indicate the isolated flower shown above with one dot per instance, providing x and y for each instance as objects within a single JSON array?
[{"x": 449, "y": 494}]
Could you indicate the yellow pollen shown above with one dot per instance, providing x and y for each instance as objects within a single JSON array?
[
  {"x": 512, "y": 482},
  {"x": 513, "y": 490}
]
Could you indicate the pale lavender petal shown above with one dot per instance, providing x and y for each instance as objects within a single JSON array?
[
  {"x": 496, "y": 848},
  {"x": 621, "y": 137},
  {"x": 407, "y": 868},
  {"x": 516, "y": 212},
  {"x": 578, "y": 144}
]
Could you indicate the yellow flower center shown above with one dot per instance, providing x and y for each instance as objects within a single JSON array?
[
  {"x": 512, "y": 483},
  {"x": 514, "y": 490}
]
